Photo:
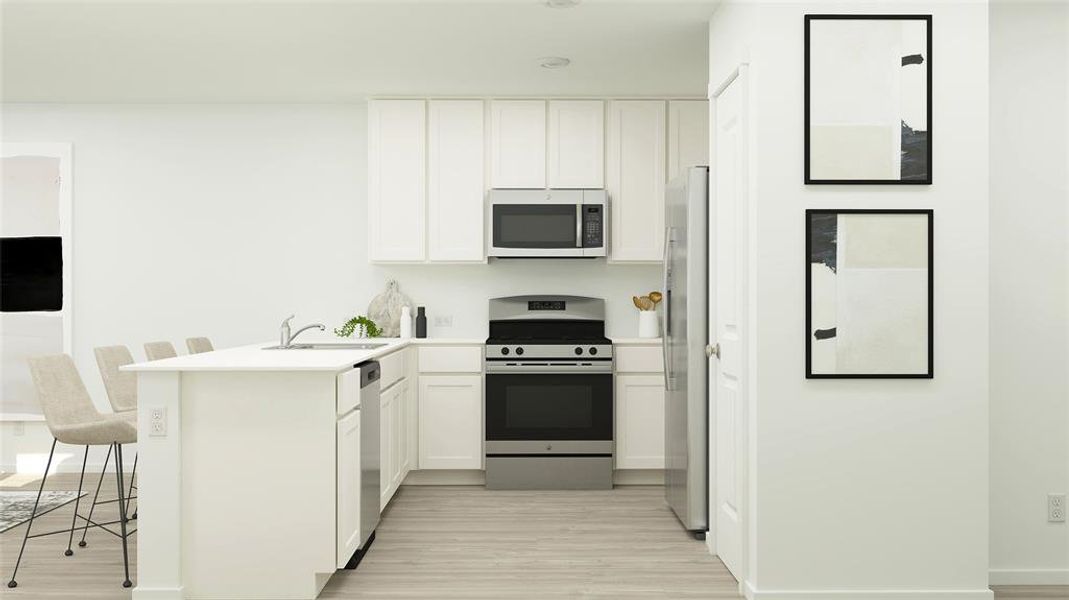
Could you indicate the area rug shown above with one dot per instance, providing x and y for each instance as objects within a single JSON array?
[{"x": 16, "y": 507}]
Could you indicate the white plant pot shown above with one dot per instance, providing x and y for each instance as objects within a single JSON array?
[{"x": 648, "y": 324}]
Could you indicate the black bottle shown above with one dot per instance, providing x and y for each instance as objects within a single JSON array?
[{"x": 421, "y": 322}]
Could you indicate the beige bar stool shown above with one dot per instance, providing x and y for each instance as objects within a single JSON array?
[
  {"x": 72, "y": 419},
  {"x": 159, "y": 350},
  {"x": 121, "y": 387},
  {"x": 198, "y": 345}
]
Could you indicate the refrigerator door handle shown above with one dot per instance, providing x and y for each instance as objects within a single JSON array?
[{"x": 667, "y": 304}]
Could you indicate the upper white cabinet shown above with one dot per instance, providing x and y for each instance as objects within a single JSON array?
[
  {"x": 636, "y": 180},
  {"x": 396, "y": 180},
  {"x": 456, "y": 181},
  {"x": 576, "y": 157},
  {"x": 688, "y": 135},
  {"x": 518, "y": 144}
]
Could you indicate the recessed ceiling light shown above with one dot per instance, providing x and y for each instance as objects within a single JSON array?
[
  {"x": 561, "y": 3},
  {"x": 554, "y": 62}
]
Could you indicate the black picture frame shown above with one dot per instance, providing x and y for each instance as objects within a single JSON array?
[
  {"x": 809, "y": 213},
  {"x": 867, "y": 17}
]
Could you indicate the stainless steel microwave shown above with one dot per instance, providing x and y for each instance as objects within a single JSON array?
[{"x": 548, "y": 223}]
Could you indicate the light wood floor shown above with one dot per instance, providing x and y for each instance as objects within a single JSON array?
[{"x": 452, "y": 543}]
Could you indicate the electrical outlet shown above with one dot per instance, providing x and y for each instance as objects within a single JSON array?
[
  {"x": 443, "y": 321},
  {"x": 19, "y": 429},
  {"x": 1056, "y": 508},
  {"x": 157, "y": 419}
]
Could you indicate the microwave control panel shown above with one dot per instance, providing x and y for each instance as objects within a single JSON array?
[{"x": 593, "y": 236}]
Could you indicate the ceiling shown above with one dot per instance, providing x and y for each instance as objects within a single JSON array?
[{"x": 340, "y": 51}]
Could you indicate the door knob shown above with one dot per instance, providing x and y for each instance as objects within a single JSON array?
[{"x": 712, "y": 350}]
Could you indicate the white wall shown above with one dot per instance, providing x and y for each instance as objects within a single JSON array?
[
  {"x": 1029, "y": 289},
  {"x": 220, "y": 220},
  {"x": 860, "y": 488}
]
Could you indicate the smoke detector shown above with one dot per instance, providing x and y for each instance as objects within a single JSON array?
[{"x": 561, "y": 3}]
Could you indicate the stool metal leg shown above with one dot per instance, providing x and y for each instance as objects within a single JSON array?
[
  {"x": 130, "y": 491},
  {"x": 82, "y": 544},
  {"x": 122, "y": 514},
  {"x": 77, "y": 500},
  {"x": 12, "y": 583}
]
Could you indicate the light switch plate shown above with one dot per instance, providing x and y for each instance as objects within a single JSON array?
[{"x": 443, "y": 321}]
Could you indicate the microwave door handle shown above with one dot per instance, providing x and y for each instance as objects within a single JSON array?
[
  {"x": 579, "y": 225},
  {"x": 667, "y": 304}
]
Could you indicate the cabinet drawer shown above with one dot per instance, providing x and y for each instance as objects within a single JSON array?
[
  {"x": 639, "y": 359},
  {"x": 393, "y": 368},
  {"x": 451, "y": 359},
  {"x": 348, "y": 390}
]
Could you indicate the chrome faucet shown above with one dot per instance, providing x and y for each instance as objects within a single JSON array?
[{"x": 285, "y": 339}]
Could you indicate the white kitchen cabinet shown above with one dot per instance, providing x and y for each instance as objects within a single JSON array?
[
  {"x": 576, "y": 155},
  {"x": 450, "y": 422},
  {"x": 456, "y": 181},
  {"x": 688, "y": 135},
  {"x": 639, "y": 421},
  {"x": 387, "y": 460},
  {"x": 396, "y": 180},
  {"x": 348, "y": 490},
  {"x": 518, "y": 144},
  {"x": 636, "y": 180}
]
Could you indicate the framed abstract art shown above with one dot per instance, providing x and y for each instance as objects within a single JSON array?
[
  {"x": 868, "y": 99},
  {"x": 868, "y": 282}
]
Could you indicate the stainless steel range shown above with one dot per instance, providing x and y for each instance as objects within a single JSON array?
[{"x": 549, "y": 394}]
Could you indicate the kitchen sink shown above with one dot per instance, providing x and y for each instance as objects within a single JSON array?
[{"x": 363, "y": 346}]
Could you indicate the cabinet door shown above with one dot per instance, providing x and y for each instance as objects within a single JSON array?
[
  {"x": 688, "y": 135},
  {"x": 397, "y": 436},
  {"x": 404, "y": 426},
  {"x": 385, "y": 447},
  {"x": 576, "y": 144},
  {"x": 636, "y": 179},
  {"x": 639, "y": 422},
  {"x": 450, "y": 422},
  {"x": 518, "y": 144},
  {"x": 396, "y": 180},
  {"x": 348, "y": 516},
  {"x": 456, "y": 185}
]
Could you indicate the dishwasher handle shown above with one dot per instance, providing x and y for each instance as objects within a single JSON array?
[{"x": 370, "y": 372}]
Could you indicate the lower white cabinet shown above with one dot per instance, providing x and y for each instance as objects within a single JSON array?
[
  {"x": 348, "y": 501},
  {"x": 450, "y": 422},
  {"x": 392, "y": 441},
  {"x": 639, "y": 422}
]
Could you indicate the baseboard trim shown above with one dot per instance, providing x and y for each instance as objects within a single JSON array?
[
  {"x": 754, "y": 594},
  {"x": 143, "y": 593},
  {"x": 1028, "y": 577},
  {"x": 445, "y": 477},
  {"x": 638, "y": 477}
]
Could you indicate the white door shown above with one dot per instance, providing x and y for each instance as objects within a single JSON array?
[
  {"x": 348, "y": 517},
  {"x": 576, "y": 144},
  {"x": 639, "y": 422},
  {"x": 397, "y": 130},
  {"x": 727, "y": 319},
  {"x": 450, "y": 422},
  {"x": 635, "y": 180},
  {"x": 518, "y": 144},
  {"x": 455, "y": 181}
]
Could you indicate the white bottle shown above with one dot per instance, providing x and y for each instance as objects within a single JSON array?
[{"x": 406, "y": 322}]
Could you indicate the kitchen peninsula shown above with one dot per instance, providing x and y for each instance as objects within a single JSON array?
[{"x": 244, "y": 490}]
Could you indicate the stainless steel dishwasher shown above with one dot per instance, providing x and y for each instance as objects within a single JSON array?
[{"x": 369, "y": 457}]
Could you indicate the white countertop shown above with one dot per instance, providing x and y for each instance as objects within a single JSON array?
[
  {"x": 636, "y": 341},
  {"x": 255, "y": 358}
]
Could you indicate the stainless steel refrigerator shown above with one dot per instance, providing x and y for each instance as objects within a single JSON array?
[{"x": 686, "y": 286}]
